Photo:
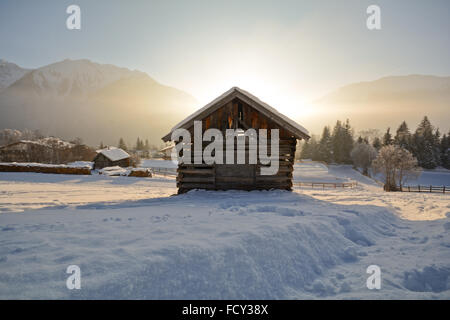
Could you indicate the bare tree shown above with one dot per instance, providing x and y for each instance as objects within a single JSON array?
[
  {"x": 362, "y": 155},
  {"x": 397, "y": 165}
]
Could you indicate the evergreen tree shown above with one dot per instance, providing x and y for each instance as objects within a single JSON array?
[
  {"x": 336, "y": 142},
  {"x": 387, "y": 138},
  {"x": 376, "y": 143},
  {"x": 424, "y": 145},
  {"x": 139, "y": 144},
  {"x": 306, "y": 151},
  {"x": 325, "y": 152},
  {"x": 403, "y": 137},
  {"x": 445, "y": 151},
  {"x": 348, "y": 142},
  {"x": 122, "y": 144},
  {"x": 437, "y": 146},
  {"x": 342, "y": 142},
  {"x": 101, "y": 146},
  {"x": 310, "y": 149},
  {"x": 314, "y": 145}
]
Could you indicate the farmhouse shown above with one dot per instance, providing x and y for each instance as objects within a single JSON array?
[
  {"x": 239, "y": 110},
  {"x": 110, "y": 157}
]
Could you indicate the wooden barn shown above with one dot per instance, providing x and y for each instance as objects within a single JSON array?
[
  {"x": 238, "y": 109},
  {"x": 110, "y": 157}
]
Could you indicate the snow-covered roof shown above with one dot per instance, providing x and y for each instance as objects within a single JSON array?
[
  {"x": 167, "y": 148},
  {"x": 113, "y": 153},
  {"x": 278, "y": 117}
]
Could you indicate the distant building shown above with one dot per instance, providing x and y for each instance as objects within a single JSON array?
[{"x": 110, "y": 157}]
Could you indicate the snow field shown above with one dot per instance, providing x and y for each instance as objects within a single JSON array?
[{"x": 133, "y": 241}]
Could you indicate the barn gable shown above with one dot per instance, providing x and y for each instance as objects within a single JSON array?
[{"x": 237, "y": 94}]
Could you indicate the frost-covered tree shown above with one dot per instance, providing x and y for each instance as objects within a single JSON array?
[
  {"x": 362, "y": 155},
  {"x": 77, "y": 141},
  {"x": 396, "y": 164},
  {"x": 406, "y": 166}
]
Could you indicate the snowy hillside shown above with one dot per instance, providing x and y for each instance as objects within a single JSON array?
[
  {"x": 133, "y": 241},
  {"x": 10, "y": 73}
]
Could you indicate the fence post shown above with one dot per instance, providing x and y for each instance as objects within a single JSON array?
[
  {"x": 430, "y": 188},
  {"x": 444, "y": 189},
  {"x": 409, "y": 189}
]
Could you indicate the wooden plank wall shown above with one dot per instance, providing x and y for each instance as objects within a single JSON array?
[{"x": 234, "y": 115}]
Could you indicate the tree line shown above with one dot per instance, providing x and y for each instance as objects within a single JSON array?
[
  {"x": 339, "y": 145},
  {"x": 140, "y": 145}
]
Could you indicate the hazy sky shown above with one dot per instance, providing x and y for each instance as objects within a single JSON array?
[{"x": 286, "y": 52}]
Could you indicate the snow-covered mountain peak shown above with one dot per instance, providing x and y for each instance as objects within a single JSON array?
[
  {"x": 10, "y": 73},
  {"x": 78, "y": 77}
]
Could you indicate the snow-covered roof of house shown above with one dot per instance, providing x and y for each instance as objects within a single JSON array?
[
  {"x": 298, "y": 130},
  {"x": 167, "y": 148},
  {"x": 113, "y": 153}
]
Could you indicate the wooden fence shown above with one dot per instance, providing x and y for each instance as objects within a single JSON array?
[
  {"x": 326, "y": 184},
  {"x": 164, "y": 171},
  {"x": 429, "y": 189}
]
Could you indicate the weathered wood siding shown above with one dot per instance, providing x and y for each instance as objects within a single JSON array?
[{"x": 237, "y": 114}]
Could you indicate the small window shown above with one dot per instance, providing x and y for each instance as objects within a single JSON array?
[{"x": 240, "y": 112}]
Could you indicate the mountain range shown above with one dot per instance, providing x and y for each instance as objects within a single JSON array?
[
  {"x": 97, "y": 102},
  {"x": 10, "y": 73},
  {"x": 388, "y": 101},
  {"x": 101, "y": 102}
]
